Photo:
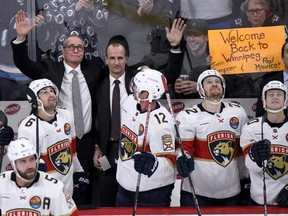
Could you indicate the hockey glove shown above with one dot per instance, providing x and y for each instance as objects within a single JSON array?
[
  {"x": 185, "y": 165},
  {"x": 81, "y": 182},
  {"x": 260, "y": 151},
  {"x": 6, "y": 135},
  {"x": 282, "y": 198},
  {"x": 145, "y": 163}
]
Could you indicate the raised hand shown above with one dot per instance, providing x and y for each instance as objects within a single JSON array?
[
  {"x": 84, "y": 5},
  {"x": 174, "y": 35},
  {"x": 23, "y": 27},
  {"x": 145, "y": 7}
]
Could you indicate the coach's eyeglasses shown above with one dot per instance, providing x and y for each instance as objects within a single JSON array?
[
  {"x": 258, "y": 11},
  {"x": 73, "y": 47}
]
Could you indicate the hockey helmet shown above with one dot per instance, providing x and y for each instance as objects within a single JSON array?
[
  {"x": 203, "y": 76},
  {"x": 148, "y": 80},
  {"x": 18, "y": 149},
  {"x": 39, "y": 84},
  {"x": 274, "y": 84}
]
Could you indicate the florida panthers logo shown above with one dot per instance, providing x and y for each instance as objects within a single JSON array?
[
  {"x": 128, "y": 143},
  {"x": 277, "y": 166},
  {"x": 222, "y": 147},
  {"x": 60, "y": 156}
]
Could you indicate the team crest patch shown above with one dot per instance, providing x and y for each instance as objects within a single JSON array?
[
  {"x": 128, "y": 144},
  {"x": 167, "y": 142},
  {"x": 60, "y": 156},
  {"x": 67, "y": 128},
  {"x": 222, "y": 147},
  {"x": 23, "y": 212},
  {"x": 234, "y": 122},
  {"x": 277, "y": 165},
  {"x": 35, "y": 202},
  {"x": 141, "y": 129}
]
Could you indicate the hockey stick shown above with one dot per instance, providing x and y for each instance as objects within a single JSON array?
[
  {"x": 264, "y": 118},
  {"x": 180, "y": 142},
  {"x": 143, "y": 150},
  {"x": 34, "y": 103}
]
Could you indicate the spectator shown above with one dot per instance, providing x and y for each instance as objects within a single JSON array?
[
  {"x": 90, "y": 73},
  {"x": 256, "y": 13},
  {"x": 281, "y": 76},
  {"x": 146, "y": 147},
  {"x": 196, "y": 35},
  {"x": 117, "y": 54},
  {"x": 264, "y": 143},
  {"x": 218, "y": 14},
  {"x": 210, "y": 133},
  {"x": 159, "y": 53},
  {"x": 56, "y": 135},
  {"x": 27, "y": 189},
  {"x": 135, "y": 20}
]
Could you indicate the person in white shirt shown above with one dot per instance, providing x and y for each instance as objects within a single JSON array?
[
  {"x": 56, "y": 135},
  {"x": 265, "y": 146},
  {"x": 26, "y": 191},
  {"x": 210, "y": 133},
  {"x": 146, "y": 149}
]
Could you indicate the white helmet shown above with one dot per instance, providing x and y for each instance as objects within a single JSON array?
[
  {"x": 148, "y": 80},
  {"x": 18, "y": 149},
  {"x": 39, "y": 84},
  {"x": 206, "y": 74},
  {"x": 274, "y": 84}
]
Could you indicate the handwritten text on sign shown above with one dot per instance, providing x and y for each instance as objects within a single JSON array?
[{"x": 246, "y": 50}]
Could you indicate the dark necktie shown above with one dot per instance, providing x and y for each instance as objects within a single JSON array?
[
  {"x": 115, "y": 118},
  {"x": 77, "y": 106}
]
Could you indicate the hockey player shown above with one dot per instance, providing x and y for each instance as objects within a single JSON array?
[
  {"x": 26, "y": 191},
  {"x": 147, "y": 149},
  {"x": 210, "y": 133},
  {"x": 57, "y": 141},
  {"x": 265, "y": 139}
]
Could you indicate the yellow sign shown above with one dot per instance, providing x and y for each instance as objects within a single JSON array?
[{"x": 246, "y": 50}]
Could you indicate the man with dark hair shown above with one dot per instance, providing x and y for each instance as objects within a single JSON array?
[
  {"x": 117, "y": 52},
  {"x": 196, "y": 36}
]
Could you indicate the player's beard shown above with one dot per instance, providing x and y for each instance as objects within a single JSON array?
[
  {"x": 213, "y": 95},
  {"x": 28, "y": 175}
]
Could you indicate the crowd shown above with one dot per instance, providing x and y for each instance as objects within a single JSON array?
[{"x": 99, "y": 134}]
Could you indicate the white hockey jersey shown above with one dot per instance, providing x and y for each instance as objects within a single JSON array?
[
  {"x": 47, "y": 196},
  {"x": 213, "y": 141},
  {"x": 57, "y": 144},
  {"x": 160, "y": 141},
  {"x": 276, "y": 175}
]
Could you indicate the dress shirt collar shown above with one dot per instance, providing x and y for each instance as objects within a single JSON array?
[
  {"x": 68, "y": 69},
  {"x": 121, "y": 79}
]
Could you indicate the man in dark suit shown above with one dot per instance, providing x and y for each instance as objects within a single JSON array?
[
  {"x": 117, "y": 52},
  {"x": 90, "y": 74},
  {"x": 281, "y": 76}
]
